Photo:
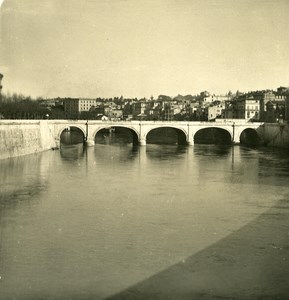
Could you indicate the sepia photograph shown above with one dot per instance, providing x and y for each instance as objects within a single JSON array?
[{"x": 144, "y": 149}]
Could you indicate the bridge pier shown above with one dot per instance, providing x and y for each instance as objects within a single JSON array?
[
  {"x": 89, "y": 142},
  {"x": 236, "y": 140},
  {"x": 142, "y": 142},
  {"x": 191, "y": 142},
  {"x": 57, "y": 143}
]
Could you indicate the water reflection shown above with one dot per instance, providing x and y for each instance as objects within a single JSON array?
[
  {"x": 165, "y": 152},
  {"x": 22, "y": 178},
  {"x": 90, "y": 222},
  {"x": 72, "y": 152},
  {"x": 273, "y": 166},
  {"x": 274, "y": 158},
  {"x": 116, "y": 152},
  {"x": 212, "y": 150}
]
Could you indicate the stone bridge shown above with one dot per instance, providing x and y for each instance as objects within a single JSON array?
[{"x": 140, "y": 129}]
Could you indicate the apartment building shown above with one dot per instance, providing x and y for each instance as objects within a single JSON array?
[
  {"x": 215, "y": 110},
  {"x": 267, "y": 96},
  {"x": 247, "y": 108},
  {"x": 73, "y": 106},
  {"x": 213, "y": 98}
]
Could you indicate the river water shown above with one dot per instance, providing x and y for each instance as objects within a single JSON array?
[{"x": 153, "y": 222}]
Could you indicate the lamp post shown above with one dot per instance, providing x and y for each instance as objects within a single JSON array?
[
  {"x": 1, "y": 76},
  {"x": 233, "y": 132},
  {"x": 86, "y": 136}
]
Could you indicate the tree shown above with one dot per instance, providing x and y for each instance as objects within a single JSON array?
[{"x": 18, "y": 106}]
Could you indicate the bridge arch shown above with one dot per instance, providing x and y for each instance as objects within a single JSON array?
[
  {"x": 249, "y": 136},
  {"x": 181, "y": 135},
  {"x": 63, "y": 128},
  {"x": 70, "y": 128},
  {"x": 134, "y": 132},
  {"x": 213, "y": 135}
]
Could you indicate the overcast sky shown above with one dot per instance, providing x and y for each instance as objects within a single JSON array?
[{"x": 139, "y": 48}]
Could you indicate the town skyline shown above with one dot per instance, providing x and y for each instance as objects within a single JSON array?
[{"x": 136, "y": 50}]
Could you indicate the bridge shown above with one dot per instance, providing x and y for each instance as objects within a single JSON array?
[{"x": 140, "y": 129}]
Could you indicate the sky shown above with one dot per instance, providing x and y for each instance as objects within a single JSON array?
[{"x": 133, "y": 48}]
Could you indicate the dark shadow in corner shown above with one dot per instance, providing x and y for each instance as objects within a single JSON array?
[{"x": 250, "y": 263}]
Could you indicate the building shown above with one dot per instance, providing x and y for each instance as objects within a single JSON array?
[
  {"x": 86, "y": 104},
  {"x": 213, "y": 98},
  {"x": 138, "y": 108},
  {"x": 73, "y": 107},
  {"x": 275, "y": 111},
  {"x": 228, "y": 112},
  {"x": 215, "y": 110},
  {"x": 283, "y": 90},
  {"x": 167, "y": 112},
  {"x": 153, "y": 110},
  {"x": 116, "y": 114},
  {"x": 247, "y": 108},
  {"x": 267, "y": 96}
]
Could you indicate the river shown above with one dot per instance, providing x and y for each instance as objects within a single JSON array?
[{"x": 156, "y": 222}]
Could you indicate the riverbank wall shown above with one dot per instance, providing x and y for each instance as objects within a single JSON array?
[
  {"x": 22, "y": 137},
  {"x": 276, "y": 135}
]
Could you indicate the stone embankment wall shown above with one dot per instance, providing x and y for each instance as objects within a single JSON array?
[
  {"x": 24, "y": 137},
  {"x": 276, "y": 135}
]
